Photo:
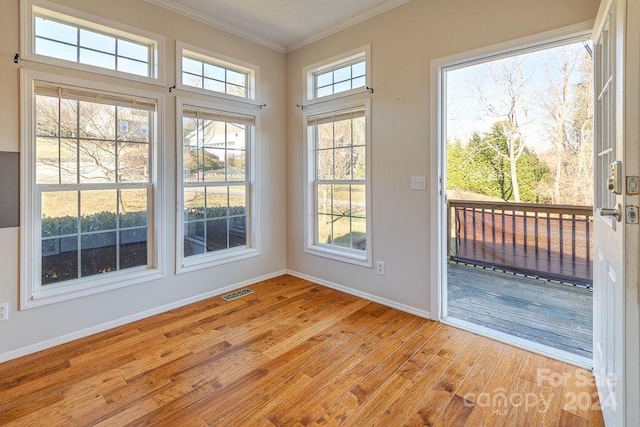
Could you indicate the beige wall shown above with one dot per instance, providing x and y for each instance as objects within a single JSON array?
[
  {"x": 35, "y": 326},
  {"x": 403, "y": 42}
]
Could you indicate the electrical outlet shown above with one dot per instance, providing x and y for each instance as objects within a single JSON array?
[
  {"x": 380, "y": 268},
  {"x": 4, "y": 311}
]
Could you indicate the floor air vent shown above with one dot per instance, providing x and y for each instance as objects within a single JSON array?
[{"x": 237, "y": 294}]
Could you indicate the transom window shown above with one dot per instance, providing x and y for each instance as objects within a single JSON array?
[
  {"x": 341, "y": 79},
  {"x": 215, "y": 181},
  {"x": 338, "y": 161},
  {"x": 61, "y": 36},
  {"x": 207, "y": 72}
]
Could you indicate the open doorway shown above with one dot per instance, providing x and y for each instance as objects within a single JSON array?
[{"x": 517, "y": 153}]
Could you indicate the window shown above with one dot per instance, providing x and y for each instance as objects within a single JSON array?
[
  {"x": 337, "y": 148},
  {"x": 89, "y": 201},
  {"x": 60, "y": 36},
  {"x": 339, "y": 76},
  {"x": 207, "y": 72},
  {"x": 215, "y": 167}
]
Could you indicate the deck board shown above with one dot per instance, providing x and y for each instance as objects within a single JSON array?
[{"x": 553, "y": 314}]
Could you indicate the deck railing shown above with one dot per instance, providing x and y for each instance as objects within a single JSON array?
[{"x": 547, "y": 241}]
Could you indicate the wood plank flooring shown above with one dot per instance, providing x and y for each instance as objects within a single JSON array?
[
  {"x": 553, "y": 314},
  {"x": 293, "y": 353}
]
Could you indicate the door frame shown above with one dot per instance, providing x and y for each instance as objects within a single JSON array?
[{"x": 437, "y": 182}]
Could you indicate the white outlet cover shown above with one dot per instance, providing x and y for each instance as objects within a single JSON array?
[{"x": 418, "y": 182}]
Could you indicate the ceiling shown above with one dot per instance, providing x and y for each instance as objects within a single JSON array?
[{"x": 284, "y": 25}]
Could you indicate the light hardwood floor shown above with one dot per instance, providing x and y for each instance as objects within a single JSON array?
[{"x": 293, "y": 353}]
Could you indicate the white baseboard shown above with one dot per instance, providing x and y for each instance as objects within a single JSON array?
[
  {"x": 364, "y": 295},
  {"x": 23, "y": 351}
]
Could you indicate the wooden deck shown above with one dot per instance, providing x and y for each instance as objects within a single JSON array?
[
  {"x": 293, "y": 353},
  {"x": 548, "y": 313}
]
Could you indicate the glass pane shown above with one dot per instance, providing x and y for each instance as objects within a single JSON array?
[
  {"x": 97, "y": 254},
  {"x": 342, "y": 232},
  {"x": 359, "y": 233},
  {"x": 97, "y": 41},
  {"x": 237, "y": 231},
  {"x": 55, "y": 163},
  {"x": 97, "y": 210},
  {"x": 97, "y": 161},
  {"x": 98, "y": 59},
  {"x": 236, "y": 90},
  {"x": 236, "y": 165},
  {"x": 59, "y": 260},
  {"x": 137, "y": 128},
  {"x": 325, "y": 135},
  {"x": 217, "y": 202},
  {"x": 133, "y": 162},
  {"x": 236, "y": 136},
  {"x": 133, "y": 67},
  {"x": 342, "y": 87},
  {"x": 325, "y": 225},
  {"x": 214, "y": 164},
  {"x": 238, "y": 79},
  {"x": 217, "y": 235},
  {"x": 237, "y": 200},
  {"x": 194, "y": 238},
  {"x": 359, "y": 131},
  {"x": 133, "y": 248},
  {"x": 358, "y": 82},
  {"x": 214, "y": 72},
  {"x": 325, "y": 164},
  {"x": 133, "y": 208},
  {"x": 191, "y": 80},
  {"x": 359, "y": 163},
  {"x": 214, "y": 85},
  {"x": 56, "y": 50},
  {"x": 69, "y": 118},
  {"x": 343, "y": 163},
  {"x": 214, "y": 133},
  {"x": 343, "y": 133},
  {"x": 358, "y": 201},
  {"x": 325, "y": 199},
  {"x": 341, "y": 200},
  {"x": 342, "y": 74},
  {"x": 56, "y": 30},
  {"x": 194, "y": 203},
  {"x": 359, "y": 69},
  {"x": 97, "y": 121},
  {"x": 191, "y": 161},
  {"x": 324, "y": 79},
  {"x": 133, "y": 50},
  {"x": 191, "y": 66},
  {"x": 59, "y": 213},
  {"x": 324, "y": 91},
  {"x": 47, "y": 116}
]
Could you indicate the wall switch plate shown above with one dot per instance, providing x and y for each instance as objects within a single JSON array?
[
  {"x": 4, "y": 311},
  {"x": 631, "y": 214},
  {"x": 418, "y": 182},
  {"x": 380, "y": 268}
]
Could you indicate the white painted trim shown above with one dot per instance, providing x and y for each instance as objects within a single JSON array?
[
  {"x": 76, "y": 17},
  {"x": 23, "y": 351},
  {"x": 550, "y": 352},
  {"x": 361, "y": 17},
  {"x": 216, "y": 23},
  {"x": 369, "y": 297}
]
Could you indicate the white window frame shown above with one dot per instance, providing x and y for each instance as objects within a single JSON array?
[
  {"x": 252, "y": 71},
  {"x": 28, "y": 9},
  {"x": 211, "y": 259},
  {"x": 351, "y": 256},
  {"x": 33, "y": 294},
  {"x": 309, "y": 72}
]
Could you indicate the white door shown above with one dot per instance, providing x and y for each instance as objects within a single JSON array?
[{"x": 608, "y": 235}]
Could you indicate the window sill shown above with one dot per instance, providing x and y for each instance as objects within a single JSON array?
[
  {"x": 199, "y": 262},
  {"x": 361, "y": 258}
]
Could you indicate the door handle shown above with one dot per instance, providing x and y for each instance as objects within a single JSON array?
[{"x": 614, "y": 212}]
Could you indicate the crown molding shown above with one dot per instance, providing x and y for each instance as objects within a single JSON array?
[
  {"x": 190, "y": 13},
  {"x": 363, "y": 16}
]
